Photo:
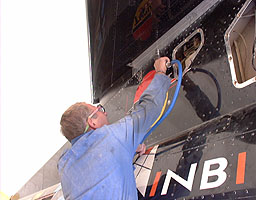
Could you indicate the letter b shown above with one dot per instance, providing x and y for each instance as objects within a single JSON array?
[{"x": 222, "y": 175}]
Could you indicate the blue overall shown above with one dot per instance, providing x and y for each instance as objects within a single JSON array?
[{"x": 99, "y": 163}]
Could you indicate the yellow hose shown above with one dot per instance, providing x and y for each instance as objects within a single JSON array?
[{"x": 162, "y": 112}]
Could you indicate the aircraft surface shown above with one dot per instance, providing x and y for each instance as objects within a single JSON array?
[{"x": 205, "y": 148}]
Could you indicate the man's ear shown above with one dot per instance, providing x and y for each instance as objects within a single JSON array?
[{"x": 92, "y": 123}]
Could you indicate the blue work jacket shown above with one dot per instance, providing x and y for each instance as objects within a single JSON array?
[{"x": 98, "y": 166}]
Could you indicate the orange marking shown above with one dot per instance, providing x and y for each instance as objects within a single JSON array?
[
  {"x": 154, "y": 186},
  {"x": 240, "y": 168},
  {"x": 148, "y": 151}
]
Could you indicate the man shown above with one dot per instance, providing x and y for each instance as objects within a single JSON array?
[{"x": 99, "y": 163}]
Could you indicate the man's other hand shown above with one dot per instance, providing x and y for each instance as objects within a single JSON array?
[{"x": 141, "y": 149}]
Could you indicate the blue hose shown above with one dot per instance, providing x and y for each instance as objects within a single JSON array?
[{"x": 175, "y": 96}]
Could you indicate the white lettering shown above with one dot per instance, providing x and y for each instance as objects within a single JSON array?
[
  {"x": 217, "y": 172},
  {"x": 187, "y": 184}
]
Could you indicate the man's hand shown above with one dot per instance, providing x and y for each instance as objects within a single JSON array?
[
  {"x": 160, "y": 64},
  {"x": 141, "y": 149}
]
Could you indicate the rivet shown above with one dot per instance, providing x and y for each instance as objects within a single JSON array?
[{"x": 202, "y": 197}]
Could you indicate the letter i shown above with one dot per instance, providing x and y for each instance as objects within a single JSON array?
[{"x": 240, "y": 168}]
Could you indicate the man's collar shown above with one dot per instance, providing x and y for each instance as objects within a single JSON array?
[{"x": 78, "y": 137}]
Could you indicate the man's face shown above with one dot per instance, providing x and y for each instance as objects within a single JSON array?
[{"x": 99, "y": 117}]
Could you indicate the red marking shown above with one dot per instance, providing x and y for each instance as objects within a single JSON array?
[
  {"x": 172, "y": 85},
  {"x": 240, "y": 168},
  {"x": 144, "y": 31},
  {"x": 173, "y": 80},
  {"x": 143, "y": 86},
  {"x": 154, "y": 186},
  {"x": 148, "y": 151},
  {"x": 145, "y": 83}
]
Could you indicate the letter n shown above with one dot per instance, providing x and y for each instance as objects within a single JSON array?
[{"x": 187, "y": 184}]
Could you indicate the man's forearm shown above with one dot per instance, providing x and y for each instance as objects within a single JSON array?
[{"x": 150, "y": 104}]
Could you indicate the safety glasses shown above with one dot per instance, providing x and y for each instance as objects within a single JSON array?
[{"x": 99, "y": 108}]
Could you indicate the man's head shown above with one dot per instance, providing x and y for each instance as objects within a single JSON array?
[{"x": 80, "y": 118}]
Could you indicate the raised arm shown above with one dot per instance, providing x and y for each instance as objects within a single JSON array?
[{"x": 131, "y": 129}]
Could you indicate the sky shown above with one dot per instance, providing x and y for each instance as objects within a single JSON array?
[{"x": 43, "y": 70}]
